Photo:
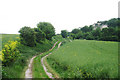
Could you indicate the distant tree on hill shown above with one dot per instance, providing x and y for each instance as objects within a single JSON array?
[
  {"x": 27, "y": 36},
  {"x": 112, "y": 22},
  {"x": 75, "y": 31},
  {"x": 96, "y": 33},
  {"x": 64, "y": 33},
  {"x": 85, "y": 29},
  {"x": 90, "y": 28},
  {"x": 47, "y": 28}
]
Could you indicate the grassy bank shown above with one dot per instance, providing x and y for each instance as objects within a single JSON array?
[
  {"x": 86, "y": 59},
  {"x": 17, "y": 69}
]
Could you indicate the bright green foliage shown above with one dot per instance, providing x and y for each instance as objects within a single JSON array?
[
  {"x": 86, "y": 59},
  {"x": 47, "y": 28},
  {"x": 27, "y": 36},
  {"x": 64, "y": 33},
  {"x": 10, "y": 52}
]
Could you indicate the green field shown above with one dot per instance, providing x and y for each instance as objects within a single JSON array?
[{"x": 86, "y": 59}]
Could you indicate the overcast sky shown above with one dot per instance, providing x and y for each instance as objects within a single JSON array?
[{"x": 62, "y": 14}]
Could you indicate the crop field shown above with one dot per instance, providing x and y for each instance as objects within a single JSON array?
[{"x": 86, "y": 59}]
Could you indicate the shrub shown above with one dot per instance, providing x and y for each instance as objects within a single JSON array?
[
  {"x": 40, "y": 35},
  {"x": 10, "y": 52},
  {"x": 47, "y": 28},
  {"x": 27, "y": 36}
]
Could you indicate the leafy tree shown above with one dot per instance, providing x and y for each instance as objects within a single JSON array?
[
  {"x": 85, "y": 35},
  {"x": 27, "y": 36},
  {"x": 85, "y": 29},
  {"x": 90, "y": 36},
  {"x": 64, "y": 33},
  {"x": 109, "y": 34},
  {"x": 112, "y": 22},
  {"x": 96, "y": 33},
  {"x": 47, "y": 28},
  {"x": 75, "y": 31},
  {"x": 79, "y": 35},
  {"x": 40, "y": 36},
  {"x": 90, "y": 28},
  {"x": 72, "y": 36}
]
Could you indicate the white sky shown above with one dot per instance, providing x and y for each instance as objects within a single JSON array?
[{"x": 62, "y": 14}]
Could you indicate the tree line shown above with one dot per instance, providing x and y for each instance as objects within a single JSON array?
[
  {"x": 109, "y": 33},
  {"x": 30, "y": 36}
]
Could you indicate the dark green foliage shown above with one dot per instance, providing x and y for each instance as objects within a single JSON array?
[
  {"x": 75, "y": 31},
  {"x": 27, "y": 36},
  {"x": 90, "y": 28},
  {"x": 40, "y": 36},
  {"x": 72, "y": 36},
  {"x": 90, "y": 37},
  {"x": 113, "y": 22},
  {"x": 47, "y": 28},
  {"x": 79, "y": 35},
  {"x": 85, "y": 29},
  {"x": 96, "y": 33},
  {"x": 111, "y": 33},
  {"x": 64, "y": 33}
]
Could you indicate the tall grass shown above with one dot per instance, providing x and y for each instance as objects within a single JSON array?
[{"x": 86, "y": 59}]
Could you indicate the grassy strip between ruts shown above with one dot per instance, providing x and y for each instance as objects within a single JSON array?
[{"x": 38, "y": 71}]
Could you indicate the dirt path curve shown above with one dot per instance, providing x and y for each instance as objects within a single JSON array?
[
  {"x": 45, "y": 69},
  {"x": 28, "y": 73}
]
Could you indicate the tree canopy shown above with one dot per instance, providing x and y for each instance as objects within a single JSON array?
[{"x": 47, "y": 28}]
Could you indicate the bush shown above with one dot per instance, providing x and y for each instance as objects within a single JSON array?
[
  {"x": 10, "y": 52},
  {"x": 27, "y": 36},
  {"x": 47, "y": 28},
  {"x": 40, "y": 35},
  {"x": 64, "y": 33}
]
